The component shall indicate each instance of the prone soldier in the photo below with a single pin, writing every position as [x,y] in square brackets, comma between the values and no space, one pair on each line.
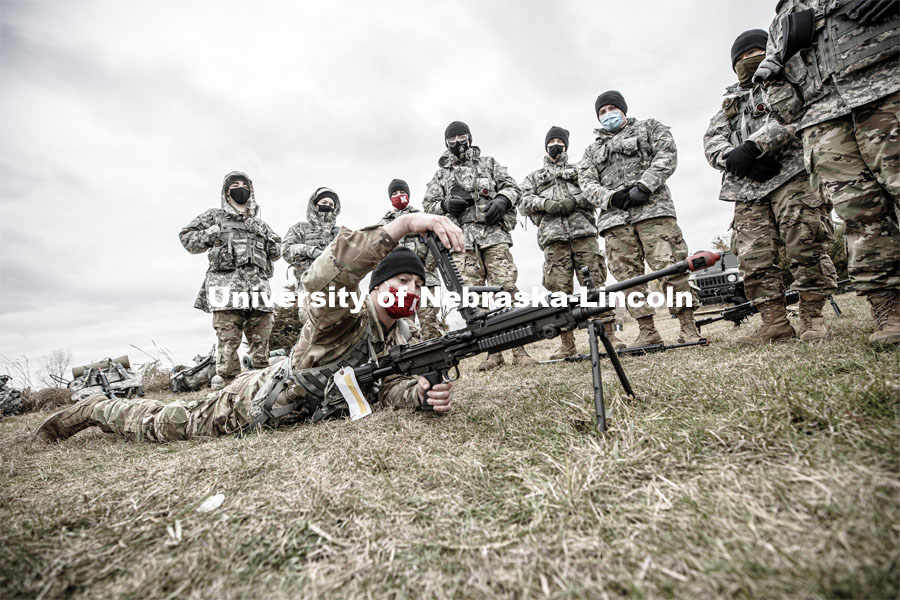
[302,385]
[765,177]
[624,173]
[567,229]
[831,73]
[478,194]
[429,316]
[306,240]
[241,248]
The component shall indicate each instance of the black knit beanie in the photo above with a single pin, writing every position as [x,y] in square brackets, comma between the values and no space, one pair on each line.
[754,38]
[325,193]
[400,260]
[456,128]
[397,185]
[557,132]
[611,97]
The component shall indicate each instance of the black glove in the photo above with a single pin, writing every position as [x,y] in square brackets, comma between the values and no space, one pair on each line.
[458,201]
[496,209]
[869,11]
[638,195]
[798,30]
[620,199]
[739,160]
[764,168]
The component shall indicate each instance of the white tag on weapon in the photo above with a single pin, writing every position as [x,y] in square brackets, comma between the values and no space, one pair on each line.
[345,379]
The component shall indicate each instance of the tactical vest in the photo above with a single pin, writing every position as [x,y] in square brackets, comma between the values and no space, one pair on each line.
[746,114]
[476,178]
[313,235]
[633,155]
[312,391]
[239,245]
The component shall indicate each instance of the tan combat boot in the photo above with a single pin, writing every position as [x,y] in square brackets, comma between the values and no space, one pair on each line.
[688,333]
[812,323]
[523,359]
[69,421]
[885,305]
[647,333]
[493,360]
[566,346]
[610,331]
[775,325]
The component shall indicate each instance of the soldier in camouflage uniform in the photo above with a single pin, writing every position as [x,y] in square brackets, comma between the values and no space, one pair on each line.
[10,399]
[307,239]
[477,193]
[774,205]
[429,316]
[241,248]
[831,73]
[567,230]
[624,173]
[300,386]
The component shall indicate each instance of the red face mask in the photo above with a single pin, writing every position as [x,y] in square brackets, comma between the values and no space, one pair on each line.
[402,309]
[400,201]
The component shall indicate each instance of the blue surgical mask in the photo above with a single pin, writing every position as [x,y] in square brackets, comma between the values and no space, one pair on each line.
[612,120]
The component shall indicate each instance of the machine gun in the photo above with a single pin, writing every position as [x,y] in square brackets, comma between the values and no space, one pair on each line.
[635,351]
[506,328]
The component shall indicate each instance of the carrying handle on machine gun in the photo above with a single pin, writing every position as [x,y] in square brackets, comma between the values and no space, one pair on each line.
[449,273]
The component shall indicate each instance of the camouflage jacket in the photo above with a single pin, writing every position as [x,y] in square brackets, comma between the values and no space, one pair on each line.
[415,243]
[639,152]
[485,178]
[745,116]
[305,237]
[557,180]
[241,249]
[847,66]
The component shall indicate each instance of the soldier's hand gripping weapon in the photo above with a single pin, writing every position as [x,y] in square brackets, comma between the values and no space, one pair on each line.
[503,329]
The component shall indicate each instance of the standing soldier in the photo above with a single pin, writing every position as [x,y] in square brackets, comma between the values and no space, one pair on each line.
[567,229]
[774,205]
[831,72]
[624,173]
[478,194]
[307,239]
[241,249]
[429,316]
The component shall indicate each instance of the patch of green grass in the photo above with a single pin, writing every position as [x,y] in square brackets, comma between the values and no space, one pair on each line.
[750,472]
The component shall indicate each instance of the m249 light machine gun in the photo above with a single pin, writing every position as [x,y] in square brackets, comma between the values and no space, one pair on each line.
[506,328]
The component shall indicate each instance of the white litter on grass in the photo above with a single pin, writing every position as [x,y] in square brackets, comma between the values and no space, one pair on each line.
[211,503]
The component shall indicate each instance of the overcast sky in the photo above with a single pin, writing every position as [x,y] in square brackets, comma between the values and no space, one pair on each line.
[119,120]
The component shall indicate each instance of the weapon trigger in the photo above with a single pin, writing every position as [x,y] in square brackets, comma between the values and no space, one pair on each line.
[446,373]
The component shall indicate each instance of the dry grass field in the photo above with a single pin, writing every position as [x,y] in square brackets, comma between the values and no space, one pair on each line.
[739,472]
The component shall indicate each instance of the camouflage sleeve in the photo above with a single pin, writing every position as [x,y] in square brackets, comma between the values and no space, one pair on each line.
[665,156]
[589,181]
[387,218]
[505,183]
[342,265]
[530,203]
[292,248]
[782,96]
[273,244]
[434,195]
[196,236]
[717,141]
[399,391]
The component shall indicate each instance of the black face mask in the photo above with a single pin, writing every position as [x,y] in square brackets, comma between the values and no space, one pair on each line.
[458,148]
[324,208]
[239,195]
[555,150]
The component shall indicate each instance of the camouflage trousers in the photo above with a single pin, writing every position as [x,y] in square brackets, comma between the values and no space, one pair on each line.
[854,161]
[793,216]
[659,243]
[489,266]
[562,258]
[219,413]
[231,326]
[430,325]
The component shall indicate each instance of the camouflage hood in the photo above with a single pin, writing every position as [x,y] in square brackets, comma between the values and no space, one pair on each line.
[448,159]
[226,205]
[314,216]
